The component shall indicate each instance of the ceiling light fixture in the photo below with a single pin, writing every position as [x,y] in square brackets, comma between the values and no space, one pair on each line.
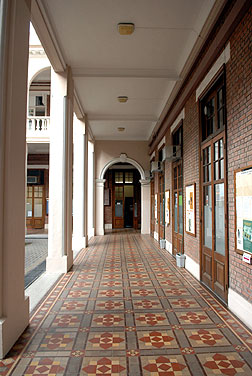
[125,28]
[121,129]
[122,99]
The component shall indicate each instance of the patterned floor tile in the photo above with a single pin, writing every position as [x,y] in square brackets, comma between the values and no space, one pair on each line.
[230,364]
[106,341]
[193,317]
[165,366]
[109,305]
[143,292]
[112,366]
[176,291]
[57,341]
[184,303]
[151,319]
[78,294]
[46,366]
[107,320]
[66,321]
[156,339]
[73,305]
[110,293]
[147,304]
[206,337]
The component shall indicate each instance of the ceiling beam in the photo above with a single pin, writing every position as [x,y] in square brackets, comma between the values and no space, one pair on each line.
[149,118]
[127,73]
[44,30]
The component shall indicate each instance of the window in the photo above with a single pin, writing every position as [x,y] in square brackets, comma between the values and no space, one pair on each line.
[118,177]
[213,110]
[124,177]
[128,177]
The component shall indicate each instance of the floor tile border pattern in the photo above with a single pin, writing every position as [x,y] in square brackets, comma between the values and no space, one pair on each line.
[43,309]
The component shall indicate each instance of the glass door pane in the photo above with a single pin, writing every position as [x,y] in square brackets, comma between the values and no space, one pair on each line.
[38,207]
[29,207]
[175,212]
[219,230]
[207,216]
[180,213]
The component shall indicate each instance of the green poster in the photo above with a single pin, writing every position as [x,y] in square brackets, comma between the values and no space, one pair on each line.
[247,236]
[180,200]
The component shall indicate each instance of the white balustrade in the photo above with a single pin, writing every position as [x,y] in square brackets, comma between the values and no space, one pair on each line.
[38,129]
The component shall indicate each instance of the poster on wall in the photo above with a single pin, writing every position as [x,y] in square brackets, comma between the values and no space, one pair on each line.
[190,209]
[167,207]
[243,206]
[156,206]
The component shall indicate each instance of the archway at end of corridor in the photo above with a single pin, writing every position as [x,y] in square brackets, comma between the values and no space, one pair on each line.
[122,196]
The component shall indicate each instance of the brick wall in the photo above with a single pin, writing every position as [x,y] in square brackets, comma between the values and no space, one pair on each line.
[239,138]
[191,171]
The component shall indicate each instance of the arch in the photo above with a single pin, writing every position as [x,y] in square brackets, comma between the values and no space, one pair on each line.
[123,158]
[38,72]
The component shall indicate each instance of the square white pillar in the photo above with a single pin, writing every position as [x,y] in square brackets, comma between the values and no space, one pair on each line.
[60,254]
[145,206]
[79,186]
[14,307]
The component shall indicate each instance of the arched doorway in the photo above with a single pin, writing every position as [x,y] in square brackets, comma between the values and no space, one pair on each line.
[122,197]
[144,204]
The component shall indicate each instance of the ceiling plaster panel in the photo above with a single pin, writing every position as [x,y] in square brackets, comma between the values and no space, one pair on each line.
[102,60]
[134,130]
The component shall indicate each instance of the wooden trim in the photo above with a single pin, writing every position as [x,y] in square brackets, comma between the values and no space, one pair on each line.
[197,73]
[187,232]
[235,214]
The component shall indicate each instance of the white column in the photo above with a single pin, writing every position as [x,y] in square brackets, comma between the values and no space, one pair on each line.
[79,185]
[145,206]
[60,254]
[99,230]
[90,189]
[14,49]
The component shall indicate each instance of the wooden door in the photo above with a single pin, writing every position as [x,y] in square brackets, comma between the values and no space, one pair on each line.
[118,206]
[214,212]
[161,203]
[35,207]
[177,208]
[152,208]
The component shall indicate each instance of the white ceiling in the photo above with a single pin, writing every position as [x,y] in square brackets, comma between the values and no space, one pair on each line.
[144,66]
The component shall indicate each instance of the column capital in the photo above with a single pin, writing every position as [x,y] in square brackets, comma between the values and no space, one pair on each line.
[144,181]
[100,182]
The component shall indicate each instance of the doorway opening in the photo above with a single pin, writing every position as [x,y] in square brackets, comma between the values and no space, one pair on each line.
[122,197]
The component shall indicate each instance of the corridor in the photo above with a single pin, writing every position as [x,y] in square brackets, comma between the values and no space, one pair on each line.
[126,309]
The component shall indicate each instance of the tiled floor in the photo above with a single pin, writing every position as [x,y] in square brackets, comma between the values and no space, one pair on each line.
[126,309]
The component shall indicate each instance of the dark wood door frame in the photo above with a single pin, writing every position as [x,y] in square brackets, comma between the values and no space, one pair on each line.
[217,260]
[177,190]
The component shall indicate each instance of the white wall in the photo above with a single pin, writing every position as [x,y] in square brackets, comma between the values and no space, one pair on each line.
[105,151]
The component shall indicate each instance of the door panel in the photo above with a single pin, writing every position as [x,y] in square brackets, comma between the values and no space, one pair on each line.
[161,202]
[35,206]
[214,258]
[177,212]
[152,208]
[118,206]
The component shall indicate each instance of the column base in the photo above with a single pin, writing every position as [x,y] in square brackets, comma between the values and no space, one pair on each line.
[11,327]
[91,232]
[59,264]
[99,231]
[78,243]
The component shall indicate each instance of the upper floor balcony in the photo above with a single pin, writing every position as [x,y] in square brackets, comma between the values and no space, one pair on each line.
[38,129]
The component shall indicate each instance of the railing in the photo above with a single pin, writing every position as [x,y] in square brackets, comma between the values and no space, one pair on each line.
[38,129]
